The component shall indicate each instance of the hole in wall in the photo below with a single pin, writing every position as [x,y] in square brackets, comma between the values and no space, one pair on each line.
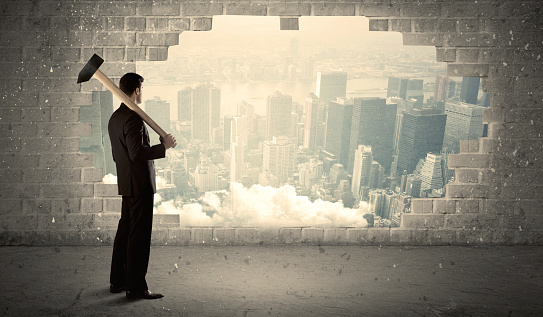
[246,63]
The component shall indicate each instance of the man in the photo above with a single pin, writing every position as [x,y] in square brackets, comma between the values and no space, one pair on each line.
[134,157]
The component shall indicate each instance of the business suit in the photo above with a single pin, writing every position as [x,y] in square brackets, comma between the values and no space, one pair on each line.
[133,157]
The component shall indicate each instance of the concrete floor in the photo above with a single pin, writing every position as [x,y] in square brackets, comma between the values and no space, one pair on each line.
[280,281]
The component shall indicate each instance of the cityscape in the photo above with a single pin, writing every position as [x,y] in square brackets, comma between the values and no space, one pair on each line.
[331,135]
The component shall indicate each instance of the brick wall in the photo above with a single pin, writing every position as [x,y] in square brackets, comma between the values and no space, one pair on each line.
[51,194]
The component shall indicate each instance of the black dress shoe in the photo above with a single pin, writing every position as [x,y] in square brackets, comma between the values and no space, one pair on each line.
[143,295]
[115,288]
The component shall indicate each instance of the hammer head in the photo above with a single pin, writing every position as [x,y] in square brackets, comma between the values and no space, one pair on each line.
[90,68]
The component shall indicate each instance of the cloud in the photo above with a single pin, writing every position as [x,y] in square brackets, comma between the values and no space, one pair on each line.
[264,207]
[110,179]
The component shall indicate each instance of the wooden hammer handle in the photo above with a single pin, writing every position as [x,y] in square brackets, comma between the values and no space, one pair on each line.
[128,102]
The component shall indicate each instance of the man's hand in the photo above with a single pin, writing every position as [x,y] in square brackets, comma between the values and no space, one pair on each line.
[168,141]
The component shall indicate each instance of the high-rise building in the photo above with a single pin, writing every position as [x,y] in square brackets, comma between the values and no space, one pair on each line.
[240,130]
[206,176]
[338,173]
[237,161]
[338,129]
[442,85]
[421,132]
[470,90]
[464,122]
[310,173]
[363,160]
[278,114]
[331,85]
[343,193]
[413,185]
[183,104]
[159,111]
[227,134]
[279,157]
[373,122]
[431,173]
[377,175]
[205,111]
[405,88]
[98,143]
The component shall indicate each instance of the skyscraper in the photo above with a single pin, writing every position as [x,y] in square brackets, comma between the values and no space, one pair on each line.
[331,85]
[442,85]
[470,89]
[278,113]
[363,160]
[237,162]
[373,122]
[159,111]
[279,157]
[421,132]
[183,104]
[464,122]
[98,143]
[338,128]
[432,173]
[205,111]
[206,176]
[310,172]
[405,88]
[227,137]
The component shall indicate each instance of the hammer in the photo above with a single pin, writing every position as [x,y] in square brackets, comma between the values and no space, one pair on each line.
[91,70]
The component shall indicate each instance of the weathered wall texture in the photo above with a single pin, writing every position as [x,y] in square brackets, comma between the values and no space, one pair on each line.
[51,194]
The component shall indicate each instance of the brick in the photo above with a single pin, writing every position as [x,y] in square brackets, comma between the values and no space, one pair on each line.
[420,10]
[14,130]
[466,175]
[378,25]
[10,144]
[64,129]
[52,175]
[114,23]
[201,235]
[10,115]
[136,54]
[50,85]
[401,236]
[290,235]
[224,235]
[201,9]
[416,206]
[468,25]
[468,205]
[179,236]
[422,221]
[468,70]
[11,54]
[425,25]
[291,9]
[470,40]
[467,55]
[159,8]
[255,9]
[444,206]
[91,205]
[112,204]
[200,24]
[44,144]
[65,114]
[333,9]
[115,38]
[65,99]
[247,235]
[289,23]
[165,220]
[12,23]
[64,160]
[19,222]
[19,190]
[65,205]
[93,23]
[487,145]
[117,8]
[19,99]
[157,39]
[92,174]
[466,191]
[445,54]
[36,114]
[65,222]
[156,24]
[464,9]
[19,160]
[179,24]
[158,53]
[378,236]
[335,235]
[106,190]
[135,23]
[447,25]
[114,54]
[11,176]
[67,190]
[427,39]
[357,235]
[11,206]
[312,235]
[379,10]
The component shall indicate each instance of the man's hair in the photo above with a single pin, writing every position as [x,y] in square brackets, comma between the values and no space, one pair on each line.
[129,82]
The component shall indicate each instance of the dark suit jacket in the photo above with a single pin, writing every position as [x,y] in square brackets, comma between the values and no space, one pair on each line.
[132,153]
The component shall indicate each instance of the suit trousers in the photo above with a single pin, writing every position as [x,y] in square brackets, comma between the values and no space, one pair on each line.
[132,245]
